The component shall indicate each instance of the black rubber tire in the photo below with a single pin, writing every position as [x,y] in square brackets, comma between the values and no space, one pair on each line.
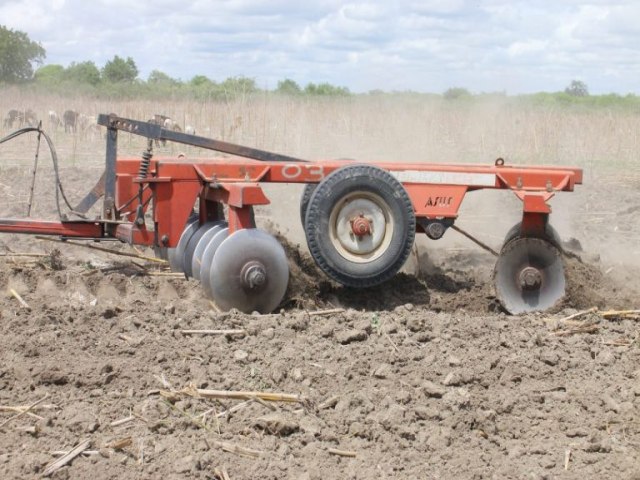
[340,183]
[551,235]
[309,188]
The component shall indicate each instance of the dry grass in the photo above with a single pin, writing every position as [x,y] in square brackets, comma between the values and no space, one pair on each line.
[377,127]
[384,127]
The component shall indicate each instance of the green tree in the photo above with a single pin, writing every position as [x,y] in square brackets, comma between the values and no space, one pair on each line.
[325,89]
[239,85]
[50,74]
[577,88]
[83,72]
[200,81]
[17,56]
[156,77]
[456,92]
[119,70]
[288,87]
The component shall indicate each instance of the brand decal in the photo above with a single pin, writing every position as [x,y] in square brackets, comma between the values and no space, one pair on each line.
[439,202]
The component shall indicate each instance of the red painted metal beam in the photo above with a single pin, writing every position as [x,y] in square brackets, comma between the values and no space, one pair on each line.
[40,227]
[241,170]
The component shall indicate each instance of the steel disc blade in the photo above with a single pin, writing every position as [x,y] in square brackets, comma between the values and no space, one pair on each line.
[207,259]
[196,260]
[176,255]
[234,257]
[189,249]
[542,263]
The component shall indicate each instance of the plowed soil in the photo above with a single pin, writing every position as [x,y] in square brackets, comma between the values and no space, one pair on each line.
[423,377]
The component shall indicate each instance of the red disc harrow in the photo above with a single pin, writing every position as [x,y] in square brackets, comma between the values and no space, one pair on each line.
[360,219]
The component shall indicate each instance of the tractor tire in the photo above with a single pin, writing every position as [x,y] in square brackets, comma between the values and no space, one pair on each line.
[309,188]
[375,200]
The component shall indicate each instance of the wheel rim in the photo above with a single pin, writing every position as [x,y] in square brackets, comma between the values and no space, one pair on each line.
[361,227]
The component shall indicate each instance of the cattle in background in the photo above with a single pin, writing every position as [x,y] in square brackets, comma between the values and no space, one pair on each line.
[190,130]
[158,120]
[86,121]
[165,122]
[171,124]
[54,120]
[17,118]
[70,121]
[11,119]
[30,118]
[88,125]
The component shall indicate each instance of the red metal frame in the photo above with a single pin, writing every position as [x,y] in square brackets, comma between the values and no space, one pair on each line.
[436,190]
[172,187]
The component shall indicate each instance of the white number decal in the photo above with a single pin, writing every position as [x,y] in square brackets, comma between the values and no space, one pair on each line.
[293,171]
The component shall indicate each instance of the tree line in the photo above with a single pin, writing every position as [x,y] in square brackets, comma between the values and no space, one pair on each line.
[22,62]
[121,75]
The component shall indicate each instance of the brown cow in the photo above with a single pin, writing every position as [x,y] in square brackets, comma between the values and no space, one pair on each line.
[12,117]
[70,121]
[171,124]
[165,122]
[19,118]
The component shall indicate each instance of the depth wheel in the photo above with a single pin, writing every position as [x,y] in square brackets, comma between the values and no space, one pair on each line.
[201,241]
[360,225]
[249,272]
[529,275]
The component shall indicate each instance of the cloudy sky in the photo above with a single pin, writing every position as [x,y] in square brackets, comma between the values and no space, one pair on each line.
[424,45]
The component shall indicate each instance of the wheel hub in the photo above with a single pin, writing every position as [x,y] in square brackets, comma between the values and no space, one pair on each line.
[530,278]
[361,226]
[253,275]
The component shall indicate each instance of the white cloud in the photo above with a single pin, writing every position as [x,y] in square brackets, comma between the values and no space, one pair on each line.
[527,47]
[427,45]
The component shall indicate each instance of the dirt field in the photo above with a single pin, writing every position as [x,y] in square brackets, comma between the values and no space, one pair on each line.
[422,377]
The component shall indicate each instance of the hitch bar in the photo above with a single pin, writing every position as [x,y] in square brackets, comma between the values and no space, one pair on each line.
[157,132]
